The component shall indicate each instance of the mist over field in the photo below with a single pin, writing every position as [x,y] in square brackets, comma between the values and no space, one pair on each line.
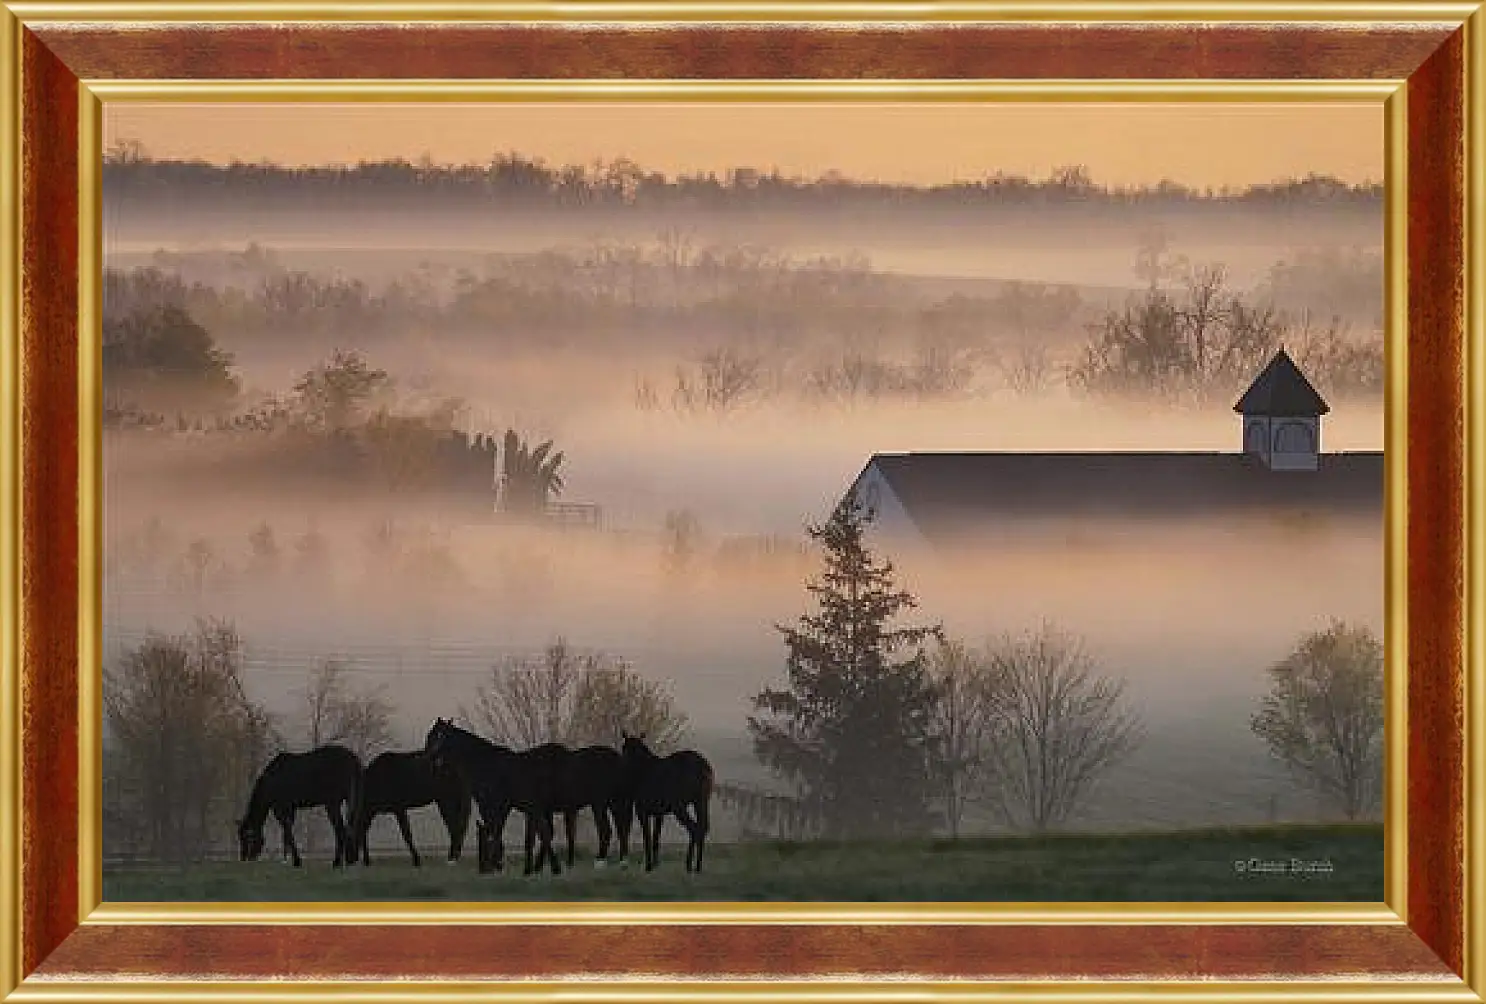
[611,335]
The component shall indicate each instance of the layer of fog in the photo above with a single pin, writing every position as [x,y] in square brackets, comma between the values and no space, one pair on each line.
[1190,615]
[1062,246]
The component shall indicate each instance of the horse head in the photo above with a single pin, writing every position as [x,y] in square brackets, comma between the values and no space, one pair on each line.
[634,748]
[437,739]
[249,841]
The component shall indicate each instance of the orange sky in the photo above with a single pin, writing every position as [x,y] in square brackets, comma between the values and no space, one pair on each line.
[1206,144]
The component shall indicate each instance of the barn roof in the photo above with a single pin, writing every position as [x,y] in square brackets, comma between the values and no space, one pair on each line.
[1282,391]
[951,491]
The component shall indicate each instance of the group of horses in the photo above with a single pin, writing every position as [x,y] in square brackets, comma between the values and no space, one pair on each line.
[457,768]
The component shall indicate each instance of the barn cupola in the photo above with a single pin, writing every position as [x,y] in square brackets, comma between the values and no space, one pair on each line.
[1282,417]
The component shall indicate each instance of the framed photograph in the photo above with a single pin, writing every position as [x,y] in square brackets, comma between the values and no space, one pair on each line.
[778,500]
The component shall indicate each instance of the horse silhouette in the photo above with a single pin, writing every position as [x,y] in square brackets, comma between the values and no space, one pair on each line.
[501,780]
[672,784]
[592,777]
[327,776]
[395,782]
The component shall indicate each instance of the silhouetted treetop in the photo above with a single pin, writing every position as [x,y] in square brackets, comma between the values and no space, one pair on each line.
[513,177]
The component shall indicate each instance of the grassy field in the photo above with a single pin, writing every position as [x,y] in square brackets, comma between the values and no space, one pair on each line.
[1195,865]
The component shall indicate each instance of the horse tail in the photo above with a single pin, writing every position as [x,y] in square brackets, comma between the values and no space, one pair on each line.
[705,798]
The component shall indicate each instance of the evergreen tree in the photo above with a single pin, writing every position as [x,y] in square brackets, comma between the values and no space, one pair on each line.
[854,729]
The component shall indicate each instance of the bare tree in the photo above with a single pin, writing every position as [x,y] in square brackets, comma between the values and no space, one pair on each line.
[312,554]
[264,552]
[575,698]
[1192,344]
[200,569]
[183,739]
[1154,261]
[1026,370]
[527,700]
[723,379]
[1323,715]
[646,397]
[941,369]
[613,700]
[676,254]
[1059,725]
[963,722]
[680,537]
[335,712]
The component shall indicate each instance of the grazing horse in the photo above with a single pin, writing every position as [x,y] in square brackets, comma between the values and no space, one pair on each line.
[326,776]
[501,780]
[670,784]
[397,782]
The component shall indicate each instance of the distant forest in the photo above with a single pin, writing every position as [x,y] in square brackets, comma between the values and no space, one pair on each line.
[520,180]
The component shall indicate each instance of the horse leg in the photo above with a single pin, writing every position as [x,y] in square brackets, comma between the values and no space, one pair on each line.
[498,836]
[645,838]
[531,836]
[624,820]
[691,827]
[570,827]
[407,836]
[644,822]
[361,827]
[606,833]
[286,821]
[704,825]
[484,859]
[456,815]
[342,840]
[548,840]
[657,823]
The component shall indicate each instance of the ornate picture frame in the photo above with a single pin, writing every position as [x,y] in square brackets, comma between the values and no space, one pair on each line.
[1422,64]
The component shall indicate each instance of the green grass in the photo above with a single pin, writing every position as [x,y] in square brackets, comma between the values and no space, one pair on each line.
[1185,866]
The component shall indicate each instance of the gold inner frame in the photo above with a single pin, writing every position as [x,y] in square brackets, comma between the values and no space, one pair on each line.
[854,12]
[10,507]
[1390,95]
[1475,489]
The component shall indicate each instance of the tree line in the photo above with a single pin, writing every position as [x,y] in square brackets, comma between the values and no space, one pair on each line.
[671,287]
[659,294]
[1187,337]
[512,177]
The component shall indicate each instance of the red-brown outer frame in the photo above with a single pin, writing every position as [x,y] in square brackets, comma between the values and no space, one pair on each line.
[1431,56]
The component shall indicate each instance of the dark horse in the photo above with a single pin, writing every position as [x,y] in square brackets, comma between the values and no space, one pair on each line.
[326,776]
[592,777]
[671,784]
[501,780]
[397,782]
